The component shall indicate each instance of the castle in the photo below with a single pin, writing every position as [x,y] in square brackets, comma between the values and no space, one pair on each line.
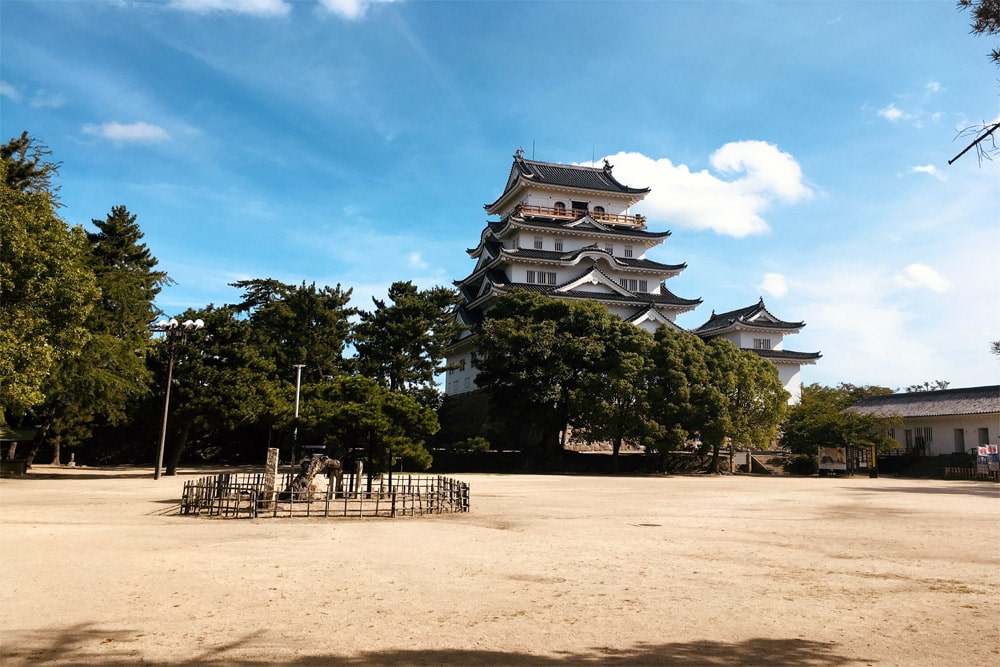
[567,231]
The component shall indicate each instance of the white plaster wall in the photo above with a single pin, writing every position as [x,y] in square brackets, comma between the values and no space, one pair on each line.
[611,206]
[746,339]
[459,380]
[791,379]
[943,431]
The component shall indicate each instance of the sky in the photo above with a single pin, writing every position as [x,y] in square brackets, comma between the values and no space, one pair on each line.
[797,151]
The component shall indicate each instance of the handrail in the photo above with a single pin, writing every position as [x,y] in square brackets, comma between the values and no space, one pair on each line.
[573,214]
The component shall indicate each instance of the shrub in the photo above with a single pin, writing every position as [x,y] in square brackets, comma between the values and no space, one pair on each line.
[803,464]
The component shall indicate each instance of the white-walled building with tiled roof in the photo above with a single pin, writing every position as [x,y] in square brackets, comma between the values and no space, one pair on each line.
[755,328]
[568,231]
[945,421]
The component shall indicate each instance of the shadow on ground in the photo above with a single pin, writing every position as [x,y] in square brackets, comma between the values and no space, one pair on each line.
[88,644]
[978,489]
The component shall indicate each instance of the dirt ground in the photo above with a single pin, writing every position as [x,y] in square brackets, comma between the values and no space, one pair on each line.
[98,568]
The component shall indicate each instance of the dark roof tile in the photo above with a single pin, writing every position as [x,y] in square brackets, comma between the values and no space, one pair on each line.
[966,401]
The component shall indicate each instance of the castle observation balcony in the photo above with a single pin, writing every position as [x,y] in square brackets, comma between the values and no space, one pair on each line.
[636,221]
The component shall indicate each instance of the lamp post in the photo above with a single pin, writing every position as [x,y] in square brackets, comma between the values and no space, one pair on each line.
[172,331]
[298,387]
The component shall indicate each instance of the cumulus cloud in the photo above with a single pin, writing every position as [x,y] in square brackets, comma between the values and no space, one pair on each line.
[263,8]
[751,176]
[922,276]
[774,284]
[128,132]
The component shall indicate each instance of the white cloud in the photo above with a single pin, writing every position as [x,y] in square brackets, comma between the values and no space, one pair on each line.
[346,9]
[928,169]
[774,284]
[262,8]
[349,9]
[416,261]
[892,114]
[921,275]
[10,92]
[40,99]
[871,330]
[43,99]
[128,132]
[702,200]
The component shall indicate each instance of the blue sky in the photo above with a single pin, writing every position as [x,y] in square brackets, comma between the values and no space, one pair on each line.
[797,151]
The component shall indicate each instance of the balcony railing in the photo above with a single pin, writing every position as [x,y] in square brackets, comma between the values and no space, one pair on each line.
[574,214]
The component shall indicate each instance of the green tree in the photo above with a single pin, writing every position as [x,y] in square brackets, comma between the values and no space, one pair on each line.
[536,354]
[756,401]
[221,382]
[613,402]
[985,21]
[936,385]
[823,418]
[28,166]
[48,291]
[358,417]
[402,345]
[109,372]
[685,399]
[299,325]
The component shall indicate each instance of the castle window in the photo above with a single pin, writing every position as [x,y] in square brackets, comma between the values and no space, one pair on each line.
[538,243]
[643,286]
[599,210]
[559,206]
[762,343]
[610,248]
[628,251]
[580,207]
[541,278]
[559,246]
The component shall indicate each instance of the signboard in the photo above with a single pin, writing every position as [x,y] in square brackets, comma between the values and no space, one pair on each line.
[989,458]
[832,458]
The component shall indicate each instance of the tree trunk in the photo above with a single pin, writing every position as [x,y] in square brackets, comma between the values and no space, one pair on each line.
[37,441]
[174,456]
[713,466]
[56,452]
[11,450]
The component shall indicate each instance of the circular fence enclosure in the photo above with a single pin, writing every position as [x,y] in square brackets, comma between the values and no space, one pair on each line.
[253,495]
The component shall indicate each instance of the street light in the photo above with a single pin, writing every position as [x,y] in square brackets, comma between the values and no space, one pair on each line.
[172,331]
[298,386]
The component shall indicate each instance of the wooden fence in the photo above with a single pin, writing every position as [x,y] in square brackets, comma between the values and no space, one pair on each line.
[970,473]
[234,495]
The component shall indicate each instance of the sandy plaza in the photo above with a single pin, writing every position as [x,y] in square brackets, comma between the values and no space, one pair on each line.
[99,568]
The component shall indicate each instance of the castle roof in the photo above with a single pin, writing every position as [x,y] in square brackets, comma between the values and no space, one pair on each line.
[525,172]
[788,356]
[756,316]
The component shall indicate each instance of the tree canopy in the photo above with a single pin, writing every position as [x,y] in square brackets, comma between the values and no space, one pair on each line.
[823,418]
[402,344]
[549,363]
